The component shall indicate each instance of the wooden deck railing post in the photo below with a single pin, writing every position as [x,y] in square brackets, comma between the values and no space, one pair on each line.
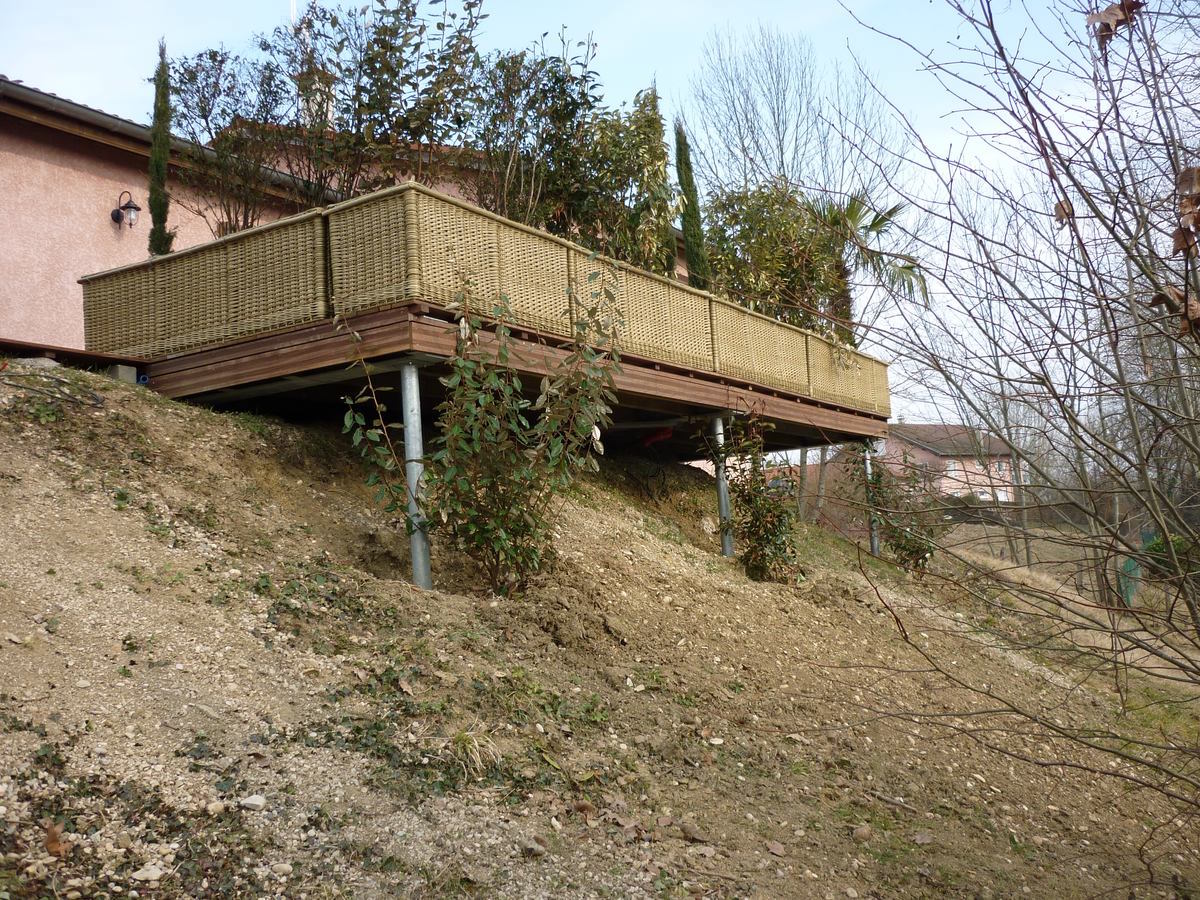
[412,246]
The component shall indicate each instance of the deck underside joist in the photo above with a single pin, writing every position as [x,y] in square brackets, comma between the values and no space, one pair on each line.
[312,364]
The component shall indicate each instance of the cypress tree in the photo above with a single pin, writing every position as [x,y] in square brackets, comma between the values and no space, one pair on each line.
[699,272]
[160,151]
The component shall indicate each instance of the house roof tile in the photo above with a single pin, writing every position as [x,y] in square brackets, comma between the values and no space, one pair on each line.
[950,440]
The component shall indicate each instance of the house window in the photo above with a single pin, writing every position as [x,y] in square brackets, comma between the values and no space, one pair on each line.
[953,467]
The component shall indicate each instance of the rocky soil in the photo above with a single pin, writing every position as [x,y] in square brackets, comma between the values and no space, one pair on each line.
[215,681]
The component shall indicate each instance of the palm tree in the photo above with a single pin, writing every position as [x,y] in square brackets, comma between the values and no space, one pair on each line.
[850,234]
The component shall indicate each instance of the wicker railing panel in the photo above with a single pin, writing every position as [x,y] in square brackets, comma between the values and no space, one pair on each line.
[645,309]
[846,377]
[192,299]
[790,364]
[118,315]
[277,278]
[759,349]
[458,251]
[732,342]
[533,274]
[880,394]
[822,369]
[592,275]
[258,280]
[368,252]
[691,336]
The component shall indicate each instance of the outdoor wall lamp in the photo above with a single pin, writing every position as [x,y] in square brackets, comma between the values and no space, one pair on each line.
[126,212]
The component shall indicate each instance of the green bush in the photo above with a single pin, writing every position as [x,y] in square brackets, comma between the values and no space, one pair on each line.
[499,458]
[1158,560]
[908,515]
[764,519]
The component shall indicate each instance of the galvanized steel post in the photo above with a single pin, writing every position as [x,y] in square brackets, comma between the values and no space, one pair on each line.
[872,518]
[414,468]
[718,431]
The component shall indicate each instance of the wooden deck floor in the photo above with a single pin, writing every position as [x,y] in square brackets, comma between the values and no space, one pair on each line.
[312,365]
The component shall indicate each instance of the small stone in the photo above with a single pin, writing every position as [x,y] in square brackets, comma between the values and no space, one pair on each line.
[215,808]
[533,848]
[148,873]
[83,683]
[851,893]
[693,834]
[12,638]
[776,849]
[124,841]
[863,833]
[254,803]
[282,868]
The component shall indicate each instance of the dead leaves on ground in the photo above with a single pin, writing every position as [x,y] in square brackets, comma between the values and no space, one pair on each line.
[55,845]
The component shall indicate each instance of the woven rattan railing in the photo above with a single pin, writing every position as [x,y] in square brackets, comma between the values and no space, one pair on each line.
[410,243]
[258,280]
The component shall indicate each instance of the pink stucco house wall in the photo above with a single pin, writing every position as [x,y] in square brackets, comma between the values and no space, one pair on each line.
[951,460]
[62,168]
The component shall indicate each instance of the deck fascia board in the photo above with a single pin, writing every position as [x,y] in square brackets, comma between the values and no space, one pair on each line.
[418,330]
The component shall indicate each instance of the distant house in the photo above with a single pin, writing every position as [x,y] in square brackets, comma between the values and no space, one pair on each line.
[951,460]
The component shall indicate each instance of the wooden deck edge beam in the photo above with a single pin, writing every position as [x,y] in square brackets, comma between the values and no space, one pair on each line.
[297,356]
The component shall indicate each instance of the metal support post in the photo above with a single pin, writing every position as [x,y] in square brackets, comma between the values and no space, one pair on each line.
[872,519]
[718,431]
[414,468]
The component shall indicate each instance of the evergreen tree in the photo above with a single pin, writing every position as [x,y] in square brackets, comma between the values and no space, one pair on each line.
[160,151]
[699,272]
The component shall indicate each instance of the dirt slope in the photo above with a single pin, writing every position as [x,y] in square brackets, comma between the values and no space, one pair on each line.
[214,681]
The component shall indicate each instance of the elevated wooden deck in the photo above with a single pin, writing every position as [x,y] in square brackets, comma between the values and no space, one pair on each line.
[253,315]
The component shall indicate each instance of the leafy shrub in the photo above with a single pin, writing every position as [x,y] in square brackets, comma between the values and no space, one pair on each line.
[1158,560]
[500,459]
[908,515]
[764,519]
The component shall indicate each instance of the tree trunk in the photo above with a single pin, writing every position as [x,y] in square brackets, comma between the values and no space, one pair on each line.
[802,487]
[820,502]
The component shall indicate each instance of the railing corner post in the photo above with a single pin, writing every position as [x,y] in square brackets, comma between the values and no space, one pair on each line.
[412,246]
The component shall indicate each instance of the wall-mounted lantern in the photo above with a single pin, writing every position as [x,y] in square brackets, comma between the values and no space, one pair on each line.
[126,212]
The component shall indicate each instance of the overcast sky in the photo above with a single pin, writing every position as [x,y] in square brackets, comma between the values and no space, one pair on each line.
[101,54]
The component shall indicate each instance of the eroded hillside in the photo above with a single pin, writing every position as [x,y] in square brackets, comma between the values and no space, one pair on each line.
[214,681]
